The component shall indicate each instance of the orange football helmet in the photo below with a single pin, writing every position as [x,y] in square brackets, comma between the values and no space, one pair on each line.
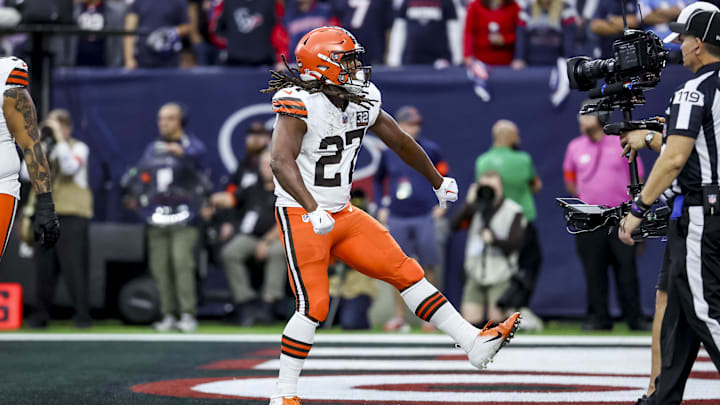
[332,54]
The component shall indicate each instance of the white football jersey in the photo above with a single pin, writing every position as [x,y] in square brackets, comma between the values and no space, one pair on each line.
[330,146]
[13,73]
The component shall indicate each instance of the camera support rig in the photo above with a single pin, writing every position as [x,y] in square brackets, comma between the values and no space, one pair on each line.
[639,58]
[623,97]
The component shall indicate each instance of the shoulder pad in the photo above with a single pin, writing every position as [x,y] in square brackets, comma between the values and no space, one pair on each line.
[291,102]
[15,71]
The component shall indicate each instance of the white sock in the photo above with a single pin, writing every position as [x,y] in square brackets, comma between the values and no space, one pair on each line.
[430,305]
[297,341]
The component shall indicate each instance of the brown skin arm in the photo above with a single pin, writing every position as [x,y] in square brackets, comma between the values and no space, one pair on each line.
[21,119]
[286,144]
[405,146]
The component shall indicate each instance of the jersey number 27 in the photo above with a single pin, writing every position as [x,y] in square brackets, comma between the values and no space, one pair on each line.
[340,144]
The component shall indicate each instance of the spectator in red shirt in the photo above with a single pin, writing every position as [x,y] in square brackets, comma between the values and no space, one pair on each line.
[490,31]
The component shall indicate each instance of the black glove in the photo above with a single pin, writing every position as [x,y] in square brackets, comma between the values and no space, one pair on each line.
[46,224]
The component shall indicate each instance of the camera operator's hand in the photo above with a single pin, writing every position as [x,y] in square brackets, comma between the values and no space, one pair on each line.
[55,128]
[627,226]
[633,141]
[46,225]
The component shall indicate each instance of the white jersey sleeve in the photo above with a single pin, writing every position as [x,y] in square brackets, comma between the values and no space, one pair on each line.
[13,74]
[330,145]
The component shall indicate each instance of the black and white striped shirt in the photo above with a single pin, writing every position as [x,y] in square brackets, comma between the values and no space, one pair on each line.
[694,111]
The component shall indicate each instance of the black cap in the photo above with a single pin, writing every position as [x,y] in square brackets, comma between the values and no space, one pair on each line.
[703,24]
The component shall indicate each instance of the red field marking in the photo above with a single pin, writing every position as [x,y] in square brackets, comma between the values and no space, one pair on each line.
[245,363]
[270,352]
[183,388]
[180,388]
[709,375]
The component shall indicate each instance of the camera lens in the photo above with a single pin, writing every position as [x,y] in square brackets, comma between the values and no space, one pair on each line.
[583,72]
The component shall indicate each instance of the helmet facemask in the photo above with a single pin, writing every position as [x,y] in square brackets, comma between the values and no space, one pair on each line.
[353,76]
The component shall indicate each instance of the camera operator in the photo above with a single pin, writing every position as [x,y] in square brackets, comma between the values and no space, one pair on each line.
[494,241]
[688,161]
[171,176]
[595,172]
[68,158]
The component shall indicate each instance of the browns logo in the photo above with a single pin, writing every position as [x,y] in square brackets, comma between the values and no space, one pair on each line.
[435,373]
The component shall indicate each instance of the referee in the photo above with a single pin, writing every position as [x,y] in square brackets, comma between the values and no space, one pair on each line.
[690,156]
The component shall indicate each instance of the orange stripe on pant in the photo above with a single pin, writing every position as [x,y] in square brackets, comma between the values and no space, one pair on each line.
[8,205]
[357,239]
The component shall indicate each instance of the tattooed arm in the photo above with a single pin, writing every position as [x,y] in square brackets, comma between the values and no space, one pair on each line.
[19,112]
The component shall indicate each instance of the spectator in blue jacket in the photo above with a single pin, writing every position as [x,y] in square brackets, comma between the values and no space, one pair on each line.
[545,32]
[410,210]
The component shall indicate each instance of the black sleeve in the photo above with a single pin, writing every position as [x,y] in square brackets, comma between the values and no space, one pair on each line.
[515,239]
[463,216]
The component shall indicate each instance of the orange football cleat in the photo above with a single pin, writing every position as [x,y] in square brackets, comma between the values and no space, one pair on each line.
[490,340]
[285,401]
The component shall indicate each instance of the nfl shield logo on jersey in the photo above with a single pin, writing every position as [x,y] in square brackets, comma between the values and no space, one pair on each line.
[345,118]
[305,218]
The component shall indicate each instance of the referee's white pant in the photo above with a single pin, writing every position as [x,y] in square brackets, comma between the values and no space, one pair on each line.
[693,309]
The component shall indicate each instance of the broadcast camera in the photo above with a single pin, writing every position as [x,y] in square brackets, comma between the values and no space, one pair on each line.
[639,58]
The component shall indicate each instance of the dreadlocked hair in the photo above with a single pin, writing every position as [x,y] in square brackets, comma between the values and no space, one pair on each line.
[281,80]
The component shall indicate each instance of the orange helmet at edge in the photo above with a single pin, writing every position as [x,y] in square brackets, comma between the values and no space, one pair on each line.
[319,55]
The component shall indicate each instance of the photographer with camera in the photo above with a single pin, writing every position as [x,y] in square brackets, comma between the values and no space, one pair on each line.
[688,162]
[495,237]
[68,159]
[595,172]
[520,182]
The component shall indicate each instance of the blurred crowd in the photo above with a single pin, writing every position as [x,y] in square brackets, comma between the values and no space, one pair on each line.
[189,33]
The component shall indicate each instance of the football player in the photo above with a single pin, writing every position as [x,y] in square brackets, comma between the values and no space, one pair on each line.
[18,123]
[324,109]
